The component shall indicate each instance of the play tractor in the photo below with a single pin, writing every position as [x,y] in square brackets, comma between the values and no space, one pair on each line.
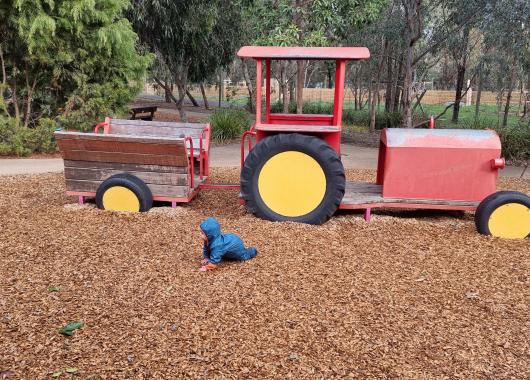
[293,170]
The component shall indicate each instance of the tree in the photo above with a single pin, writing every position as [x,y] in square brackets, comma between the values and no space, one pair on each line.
[72,60]
[191,39]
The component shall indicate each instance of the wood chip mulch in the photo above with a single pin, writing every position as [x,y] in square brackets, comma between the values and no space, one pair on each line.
[413,294]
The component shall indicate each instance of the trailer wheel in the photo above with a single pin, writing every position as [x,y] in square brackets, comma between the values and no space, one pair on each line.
[293,177]
[504,214]
[124,192]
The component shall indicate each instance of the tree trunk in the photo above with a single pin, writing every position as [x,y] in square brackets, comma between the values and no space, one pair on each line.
[527,96]
[389,80]
[30,90]
[221,87]
[193,101]
[2,63]
[413,30]
[396,91]
[375,98]
[250,86]
[509,95]
[15,94]
[407,89]
[300,80]
[283,80]
[479,93]
[168,89]
[204,98]
[461,72]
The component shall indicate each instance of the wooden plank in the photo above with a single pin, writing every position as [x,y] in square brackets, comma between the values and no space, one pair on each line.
[157,190]
[97,145]
[124,167]
[367,193]
[148,130]
[126,158]
[177,141]
[148,177]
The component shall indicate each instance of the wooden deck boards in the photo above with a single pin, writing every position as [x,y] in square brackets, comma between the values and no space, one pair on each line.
[360,193]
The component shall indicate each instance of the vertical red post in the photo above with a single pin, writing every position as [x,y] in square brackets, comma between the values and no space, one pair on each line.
[268,90]
[339,93]
[258,91]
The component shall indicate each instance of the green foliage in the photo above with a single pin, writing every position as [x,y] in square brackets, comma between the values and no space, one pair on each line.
[515,141]
[228,124]
[70,327]
[74,61]
[15,139]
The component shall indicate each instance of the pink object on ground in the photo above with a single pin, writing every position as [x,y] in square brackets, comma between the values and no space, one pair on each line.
[203,269]
[81,200]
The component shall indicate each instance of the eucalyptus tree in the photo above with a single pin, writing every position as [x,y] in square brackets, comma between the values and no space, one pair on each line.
[190,38]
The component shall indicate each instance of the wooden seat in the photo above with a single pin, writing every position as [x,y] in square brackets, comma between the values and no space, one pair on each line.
[162,129]
[162,162]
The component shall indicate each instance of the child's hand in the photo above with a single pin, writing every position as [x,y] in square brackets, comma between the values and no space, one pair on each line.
[207,267]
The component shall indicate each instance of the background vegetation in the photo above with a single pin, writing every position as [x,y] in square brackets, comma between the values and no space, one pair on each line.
[68,63]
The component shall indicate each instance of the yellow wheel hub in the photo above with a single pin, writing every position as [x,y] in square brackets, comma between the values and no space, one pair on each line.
[292,183]
[120,198]
[510,221]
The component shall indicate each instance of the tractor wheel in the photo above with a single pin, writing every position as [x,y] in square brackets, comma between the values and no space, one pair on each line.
[504,214]
[293,177]
[124,192]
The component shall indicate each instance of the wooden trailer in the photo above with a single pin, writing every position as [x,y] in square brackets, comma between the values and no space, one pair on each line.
[126,164]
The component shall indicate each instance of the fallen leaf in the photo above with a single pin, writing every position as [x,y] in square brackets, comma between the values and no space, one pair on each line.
[53,289]
[71,370]
[71,327]
[57,373]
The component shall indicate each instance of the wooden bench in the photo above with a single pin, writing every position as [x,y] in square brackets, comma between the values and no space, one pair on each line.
[143,110]
[160,154]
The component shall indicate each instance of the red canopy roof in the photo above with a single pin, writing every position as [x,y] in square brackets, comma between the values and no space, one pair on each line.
[287,52]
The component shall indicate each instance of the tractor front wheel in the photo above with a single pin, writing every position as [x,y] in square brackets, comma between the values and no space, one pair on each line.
[293,177]
[504,214]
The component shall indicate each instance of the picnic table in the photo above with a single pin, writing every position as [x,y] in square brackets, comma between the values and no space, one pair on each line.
[141,112]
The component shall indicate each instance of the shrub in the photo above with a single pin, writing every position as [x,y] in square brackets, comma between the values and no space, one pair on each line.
[228,124]
[515,141]
[18,140]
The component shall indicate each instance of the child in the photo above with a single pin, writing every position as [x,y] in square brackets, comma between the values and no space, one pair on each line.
[218,246]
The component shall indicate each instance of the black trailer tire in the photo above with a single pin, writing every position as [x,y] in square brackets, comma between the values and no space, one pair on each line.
[318,191]
[504,214]
[124,192]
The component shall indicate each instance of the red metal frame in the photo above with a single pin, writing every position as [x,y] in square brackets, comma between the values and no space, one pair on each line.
[326,127]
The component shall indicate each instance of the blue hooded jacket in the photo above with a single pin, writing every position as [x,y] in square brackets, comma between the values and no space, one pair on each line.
[228,246]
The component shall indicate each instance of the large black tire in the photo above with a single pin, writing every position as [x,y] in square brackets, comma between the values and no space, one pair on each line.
[136,185]
[513,227]
[317,149]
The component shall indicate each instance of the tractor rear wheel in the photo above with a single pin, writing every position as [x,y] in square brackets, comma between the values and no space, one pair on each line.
[504,214]
[293,177]
[124,192]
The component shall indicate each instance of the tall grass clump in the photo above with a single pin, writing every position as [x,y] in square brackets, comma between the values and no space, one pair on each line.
[228,124]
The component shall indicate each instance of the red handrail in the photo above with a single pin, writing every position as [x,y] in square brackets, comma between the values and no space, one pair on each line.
[243,137]
[192,166]
[105,124]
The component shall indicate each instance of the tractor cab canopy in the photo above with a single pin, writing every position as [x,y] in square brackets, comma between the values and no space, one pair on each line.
[317,124]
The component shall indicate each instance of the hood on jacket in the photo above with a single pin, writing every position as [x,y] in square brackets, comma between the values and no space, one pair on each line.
[211,228]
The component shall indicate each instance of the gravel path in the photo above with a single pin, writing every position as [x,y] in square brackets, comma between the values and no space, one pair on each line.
[353,157]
